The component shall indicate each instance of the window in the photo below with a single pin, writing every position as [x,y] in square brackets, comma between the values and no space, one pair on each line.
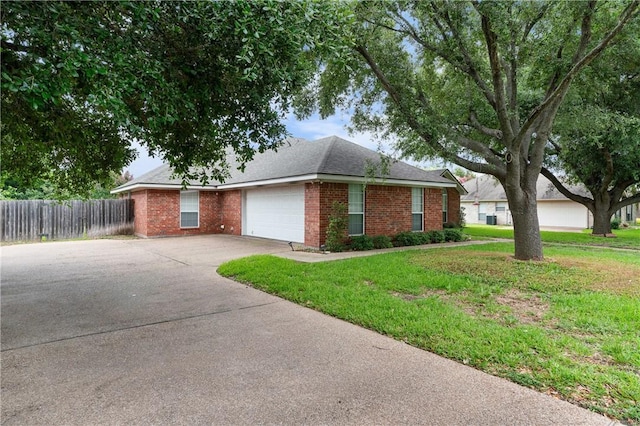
[482,212]
[356,209]
[417,209]
[501,206]
[445,206]
[189,209]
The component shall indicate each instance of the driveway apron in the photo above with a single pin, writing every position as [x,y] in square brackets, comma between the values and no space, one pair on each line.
[146,332]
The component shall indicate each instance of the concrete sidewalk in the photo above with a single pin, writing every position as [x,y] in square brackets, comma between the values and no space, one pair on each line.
[145,332]
[314,257]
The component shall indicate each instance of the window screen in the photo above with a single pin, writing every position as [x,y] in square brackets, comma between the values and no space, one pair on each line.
[356,209]
[417,209]
[445,206]
[189,209]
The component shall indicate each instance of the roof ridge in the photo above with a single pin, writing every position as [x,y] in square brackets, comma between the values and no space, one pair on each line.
[327,150]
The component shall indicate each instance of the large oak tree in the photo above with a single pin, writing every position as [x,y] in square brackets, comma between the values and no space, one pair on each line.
[188,80]
[478,83]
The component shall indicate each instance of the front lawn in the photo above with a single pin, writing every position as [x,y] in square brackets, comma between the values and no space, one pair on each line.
[625,238]
[568,326]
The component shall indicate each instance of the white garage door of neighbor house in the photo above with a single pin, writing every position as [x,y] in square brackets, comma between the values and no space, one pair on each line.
[562,213]
[276,213]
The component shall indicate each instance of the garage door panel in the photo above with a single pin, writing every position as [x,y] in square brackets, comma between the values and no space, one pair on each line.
[562,214]
[276,213]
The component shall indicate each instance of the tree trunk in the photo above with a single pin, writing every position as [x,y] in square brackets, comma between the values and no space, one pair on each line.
[601,214]
[526,229]
[601,219]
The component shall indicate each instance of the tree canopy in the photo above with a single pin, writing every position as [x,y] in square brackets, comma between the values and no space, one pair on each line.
[476,83]
[188,80]
[597,133]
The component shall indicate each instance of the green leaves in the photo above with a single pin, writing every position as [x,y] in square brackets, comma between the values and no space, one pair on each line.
[186,79]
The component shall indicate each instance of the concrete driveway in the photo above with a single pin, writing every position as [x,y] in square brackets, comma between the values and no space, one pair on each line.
[146,332]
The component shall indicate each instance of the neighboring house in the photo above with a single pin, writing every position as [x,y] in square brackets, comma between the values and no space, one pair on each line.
[486,198]
[629,214]
[287,195]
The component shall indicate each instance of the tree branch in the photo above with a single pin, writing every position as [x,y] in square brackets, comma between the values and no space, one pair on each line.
[467,65]
[608,177]
[495,167]
[491,39]
[585,32]
[475,123]
[564,190]
[481,149]
[534,21]
[382,78]
[627,201]
[562,88]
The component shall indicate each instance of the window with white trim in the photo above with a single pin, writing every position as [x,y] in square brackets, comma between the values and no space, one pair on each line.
[445,206]
[501,206]
[417,209]
[189,209]
[356,209]
[482,212]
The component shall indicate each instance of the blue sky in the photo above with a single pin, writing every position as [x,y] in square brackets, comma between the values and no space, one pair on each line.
[310,129]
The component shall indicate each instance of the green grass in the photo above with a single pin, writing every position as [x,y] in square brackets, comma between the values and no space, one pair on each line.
[625,238]
[568,326]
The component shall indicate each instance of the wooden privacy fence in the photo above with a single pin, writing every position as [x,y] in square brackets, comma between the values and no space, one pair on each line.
[24,220]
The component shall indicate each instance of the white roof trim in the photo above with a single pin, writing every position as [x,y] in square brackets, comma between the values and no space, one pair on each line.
[143,185]
[292,179]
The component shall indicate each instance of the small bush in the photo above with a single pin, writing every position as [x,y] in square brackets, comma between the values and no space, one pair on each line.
[381,242]
[407,239]
[462,218]
[424,238]
[361,243]
[450,225]
[454,235]
[615,223]
[436,236]
[337,229]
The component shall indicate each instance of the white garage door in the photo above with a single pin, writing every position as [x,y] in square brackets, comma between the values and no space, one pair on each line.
[562,213]
[276,213]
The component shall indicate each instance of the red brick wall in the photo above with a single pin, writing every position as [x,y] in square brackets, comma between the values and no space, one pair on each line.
[139,213]
[432,209]
[157,213]
[453,205]
[209,213]
[318,200]
[312,215]
[387,210]
[231,212]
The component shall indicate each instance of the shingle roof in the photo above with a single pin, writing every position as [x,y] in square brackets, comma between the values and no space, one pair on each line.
[487,188]
[331,156]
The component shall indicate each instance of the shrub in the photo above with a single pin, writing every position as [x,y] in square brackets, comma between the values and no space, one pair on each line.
[450,225]
[381,242]
[407,239]
[436,236]
[424,238]
[337,229]
[462,218]
[361,243]
[454,235]
[615,223]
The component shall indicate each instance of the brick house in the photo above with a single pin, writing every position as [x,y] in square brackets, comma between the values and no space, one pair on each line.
[288,194]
